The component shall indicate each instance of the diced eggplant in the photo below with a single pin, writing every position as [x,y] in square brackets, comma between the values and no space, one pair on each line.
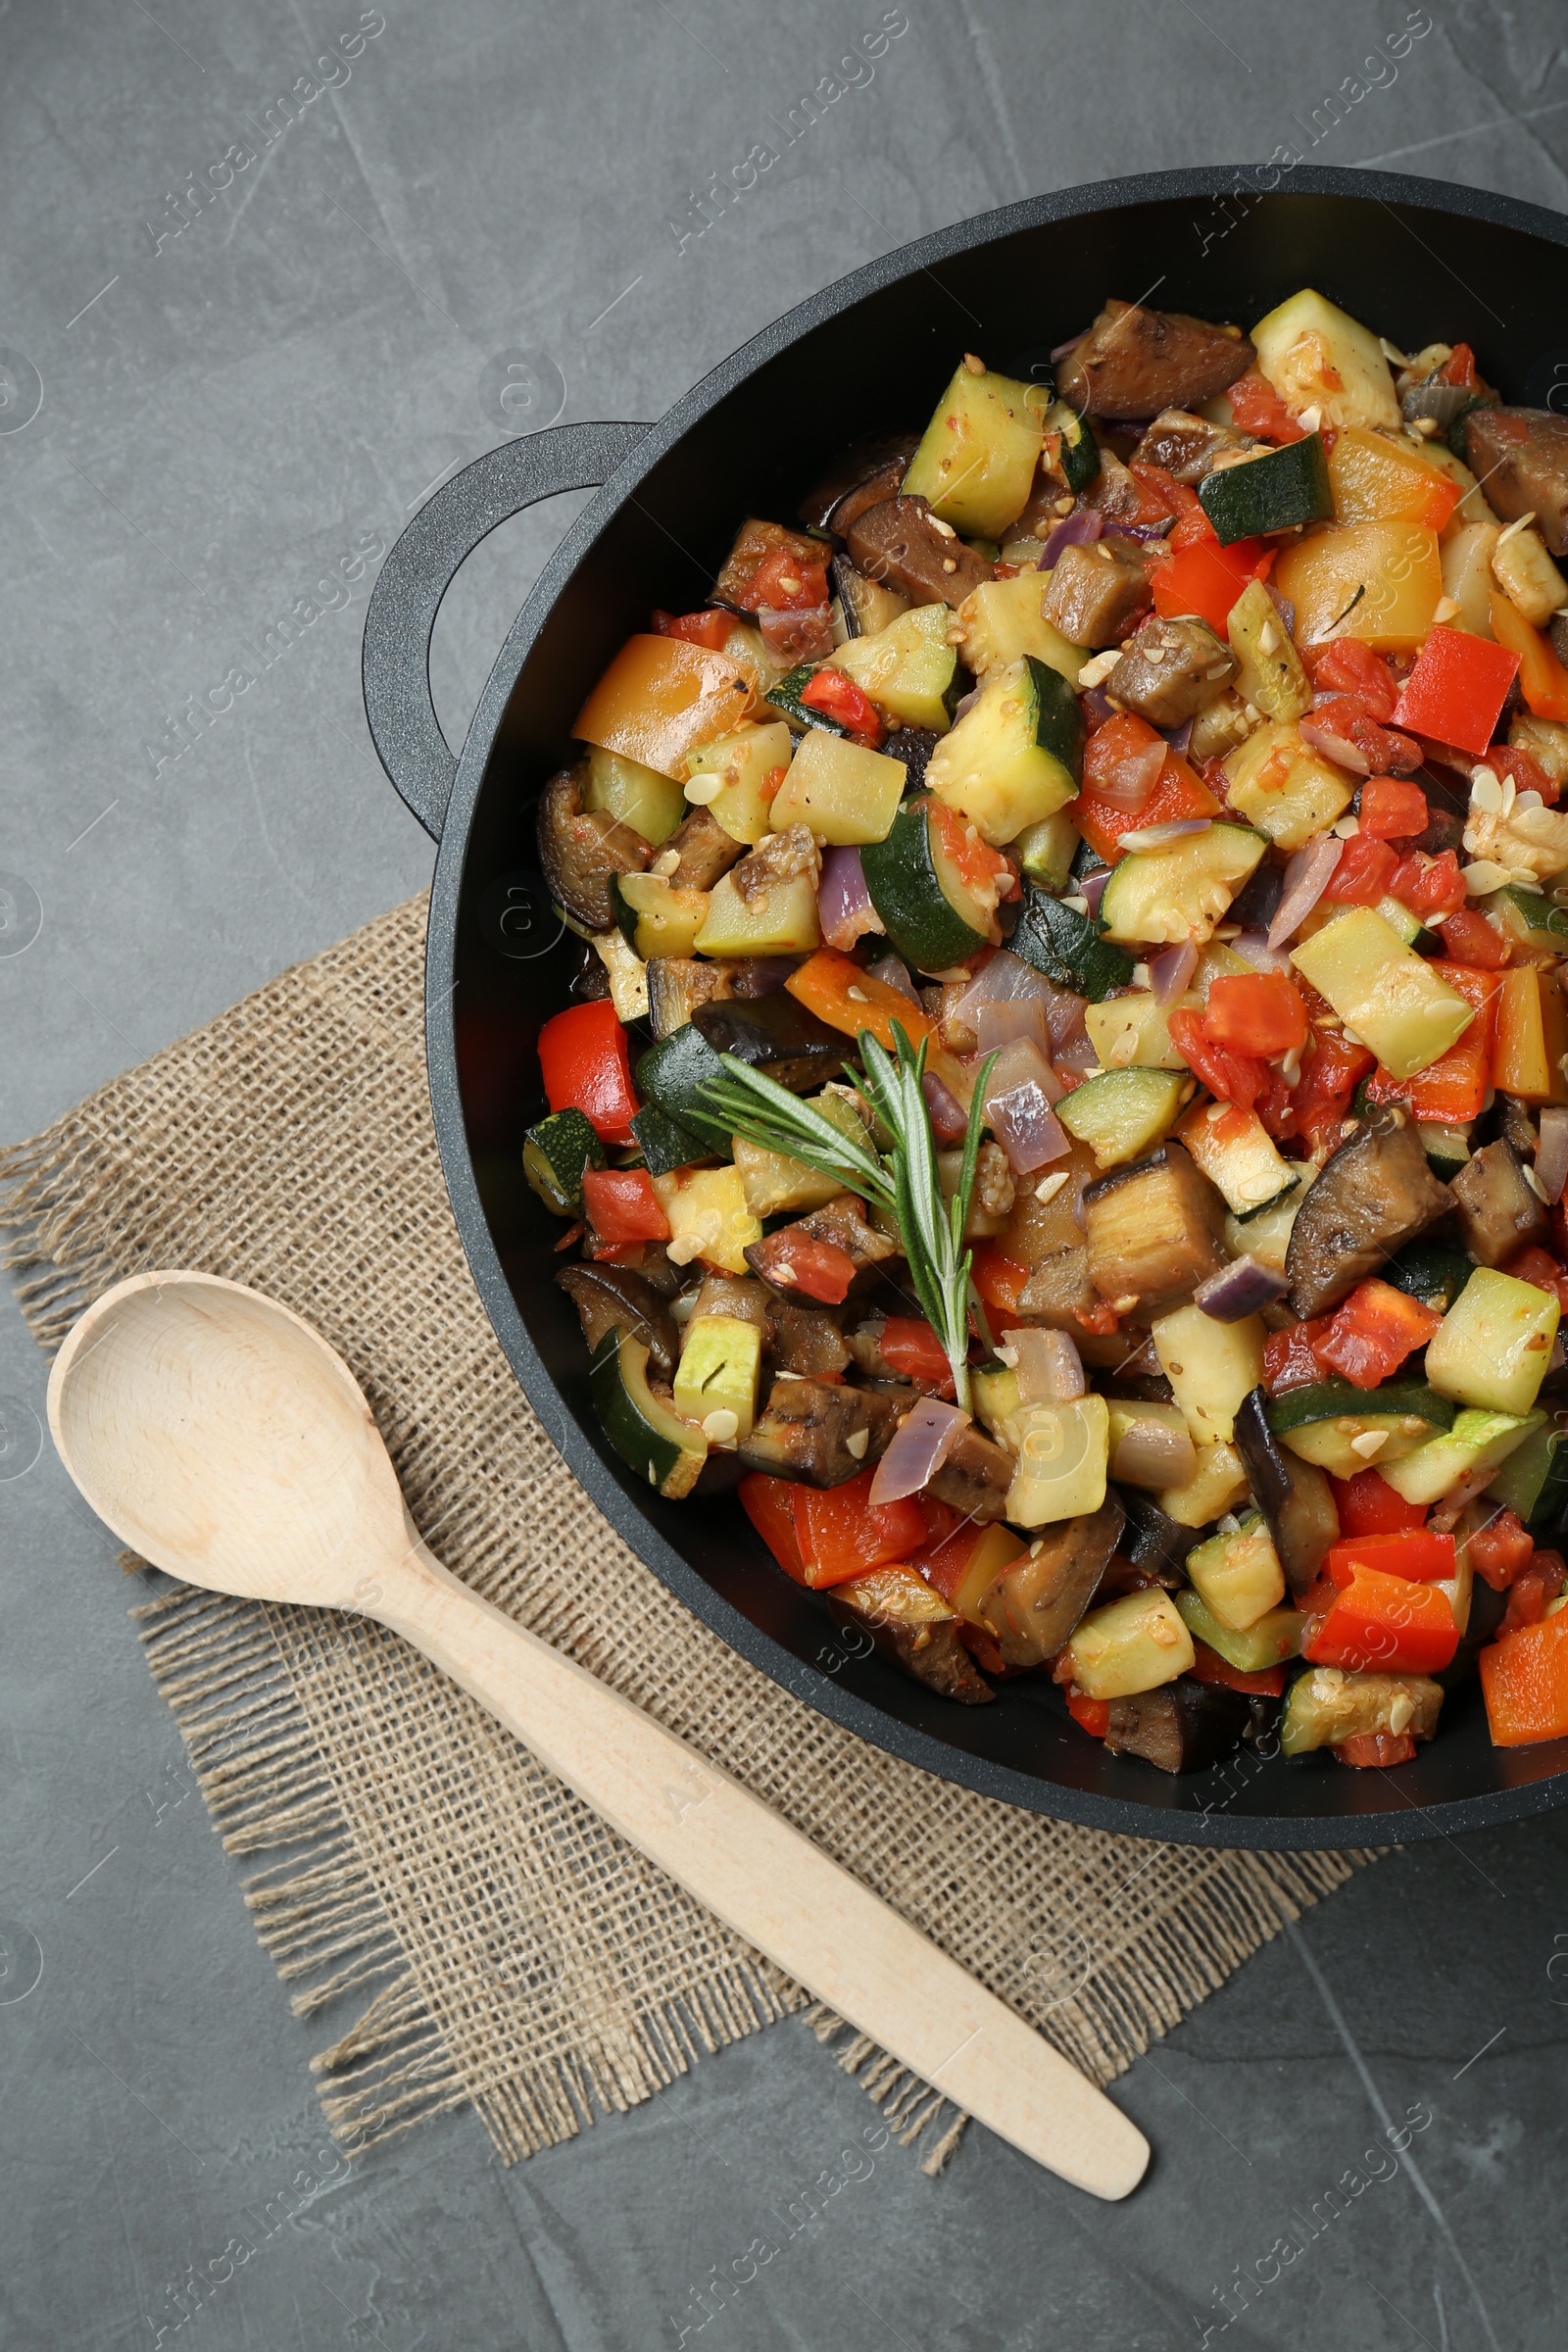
[912,1624]
[581,850]
[898,542]
[1183,1727]
[1036,1601]
[863,462]
[885,484]
[1523,476]
[914,747]
[843,1222]
[705,851]
[1155,1230]
[805,1339]
[1156,1545]
[1498,1212]
[678,984]
[736,1295]
[866,605]
[805,1432]
[1172,670]
[607,1295]
[1136,362]
[1294,1497]
[1059,1291]
[1516,1126]
[1185,446]
[976,1477]
[1375,1193]
[775,1035]
[1096,593]
[1257,902]
[1112,493]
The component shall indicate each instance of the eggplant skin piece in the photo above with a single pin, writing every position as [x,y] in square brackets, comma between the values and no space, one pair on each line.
[1034,1604]
[1498,1213]
[911,1625]
[805,1339]
[705,851]
[1182,1727]
[1294,1497]
[805,1431]
[580,851]
[1135,362]
[975,1478]
[1527,476]
[1155,1230]
[775,1035]
[861,462]
[604,1296]
[1154,1542]
[1375,1193]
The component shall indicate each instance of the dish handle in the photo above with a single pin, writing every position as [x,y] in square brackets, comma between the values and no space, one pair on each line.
[422,566]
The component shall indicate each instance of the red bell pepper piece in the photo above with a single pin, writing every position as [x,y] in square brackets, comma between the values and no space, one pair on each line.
[1416,1552]
[1380,1748]
[1393,809]
[1258,410]
[782,583]
[1471,940]
[586,1065]
[1386,1625]
[1370,1336]
[998,1279]
[1237,1078]
[1289,1361]
[910,1346]
[1209,1667]
[622,1205]
[1500,1550]
[818,1269]
[1255,1012]
[840,1533]
[1091,1715]
[1542,1271]
[1456,691]
[1362,877]
[710,629]
[1531,1590]
[1205,578]
[1346,666]
[838,697]
[1429,886]
[1454,1087]
[1524,1679]
[770,1505]
[1368,1506]
[1178,794]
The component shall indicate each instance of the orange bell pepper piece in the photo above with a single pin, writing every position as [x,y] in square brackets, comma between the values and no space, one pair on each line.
[1524,1680]
[1542,679]
[837,992]
[661,696]
[1384,1624]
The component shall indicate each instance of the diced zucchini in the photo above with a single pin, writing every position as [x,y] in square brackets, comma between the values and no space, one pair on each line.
[869,606]
[1129,1416]
[1476,1444]
[927,910]
[1015,755]
[995,1395]
[995,1554]
[1001,620]
[708,1216]
[1448,1150]
[664,1144]
[748,763]
[649,1436]
[1323,1421]
[842,790]
[1282,787]
[1122,1113]
[1271,677]
[1527,918]
[1326,1706]
[1160,896]
[774,1182]
[628,974]
[673,1073]
[785,697]
[1067,948]
[1533,1483]
[1266,1232]
[640,797]
[1494,1343]
[555,1153]
[1080,450]
[1046,851]
[782,922]
[908,669]
[1431,1271]
[1061,1451]
[1392,1001]
[1219,1486]
[720,1367]
[1528,576]
[977,460]
[1210,1366]
[1235,1151]
[1132,1032]
[1267,1642]
[1275,492]
[657,919]
[1135,1643]
[1318,357]
[1238,1576]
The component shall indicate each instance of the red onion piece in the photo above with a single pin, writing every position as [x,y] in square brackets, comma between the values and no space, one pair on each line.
[1077,1053]
[1551,1152]
[1096,707]
[796,637]
[1153,1453]
[1254,948]
[1284,606]
[1027,1128]
[1020,1017]
[842,903]
[1050,1369]
[1074,531]
[894,973]
[1179,738]
[921,1443]
[765,975]
[1093,889]
[1003,978]
[1130,784]
[1170,971]
[1239,1290]
[1065,1015]
[1306,877]
[1022,1063]
[950,1121]
[1160,837]
[1326,738]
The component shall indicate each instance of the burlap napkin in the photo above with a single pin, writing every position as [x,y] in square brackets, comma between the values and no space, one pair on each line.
[500,1945]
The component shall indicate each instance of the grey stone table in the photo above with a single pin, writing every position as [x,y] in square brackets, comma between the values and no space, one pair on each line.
[266,304]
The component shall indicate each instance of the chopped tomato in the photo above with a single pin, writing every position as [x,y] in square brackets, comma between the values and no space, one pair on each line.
[1237,1078]
[697,628]
[1454,1088]
[1459,368]
[973,860]
[1368,1506]
[770,1505]
[1258,410]
[1100,817]
[1380,1748]
[1541,1271]
[910,1346]
[1289,1361]
[1101,1319]
[1370,1336]
[1255,1012]
[838,697]
[1393,809]
[782,583]
[622,1205]
[1345,666]
[1161,495]
[1500,1550]
[998,1279]
[1467,935]
[585,1062]
[1362,877]
[1524,1679]
[1209,1667]
[818,1269]
[1383,749]
[1317,1106]
[1091,1715]
[1531,1590]
[1428,886]
[1201,576]
[1456,691]
[842,1533]
[1525,773]
[1416,1552]
[1384,1624]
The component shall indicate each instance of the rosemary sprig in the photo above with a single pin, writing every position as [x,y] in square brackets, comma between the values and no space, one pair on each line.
[903,1181]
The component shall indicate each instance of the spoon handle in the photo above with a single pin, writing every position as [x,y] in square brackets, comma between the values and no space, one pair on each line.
[769,1883]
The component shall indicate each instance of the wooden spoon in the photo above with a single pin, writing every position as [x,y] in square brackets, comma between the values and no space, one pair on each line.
[225,1441]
